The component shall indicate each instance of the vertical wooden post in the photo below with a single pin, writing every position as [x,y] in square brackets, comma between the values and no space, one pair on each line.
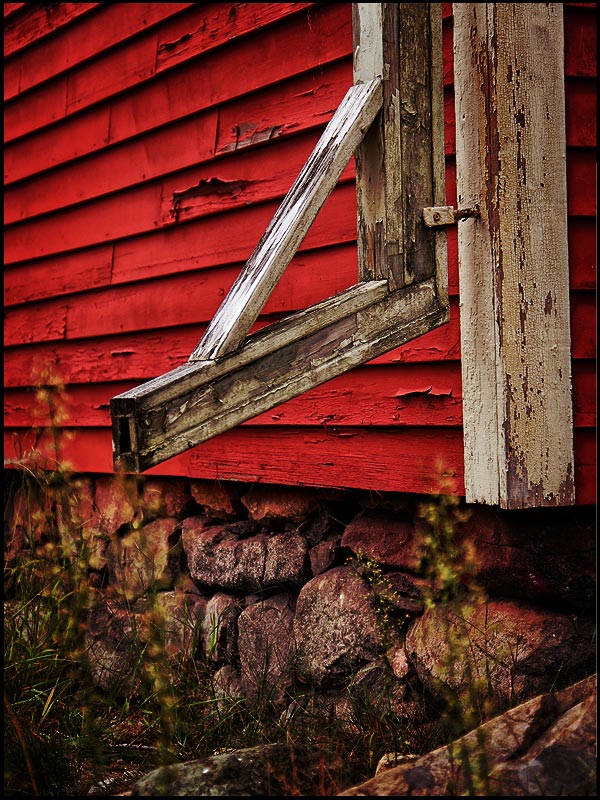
[513,260]
[400,163]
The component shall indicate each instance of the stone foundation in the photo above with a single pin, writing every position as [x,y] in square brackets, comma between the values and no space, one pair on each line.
[317,594]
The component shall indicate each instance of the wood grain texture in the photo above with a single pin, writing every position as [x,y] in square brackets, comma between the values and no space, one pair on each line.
[199,400]
[174,249]
[121,68]
[290,224]
[408,460]
[400,163]
[513,261]
[380,395]
[210,188]
[32,22]
[112,24]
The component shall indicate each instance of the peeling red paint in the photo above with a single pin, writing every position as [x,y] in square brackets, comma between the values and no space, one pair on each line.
[433,391]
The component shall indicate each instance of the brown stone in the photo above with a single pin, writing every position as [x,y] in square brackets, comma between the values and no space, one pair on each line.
[335,629]
[385,540]
[178,616]
[164,498]
[540,555]
[219,628]
[264,646]
[80,524]
[546,746]
[116,499]
[219,558]
[145,559]
[276,505]
[323,554]
[510,649]
[220,501]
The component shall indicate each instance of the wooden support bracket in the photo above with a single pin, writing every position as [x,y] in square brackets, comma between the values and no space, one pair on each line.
[392,120]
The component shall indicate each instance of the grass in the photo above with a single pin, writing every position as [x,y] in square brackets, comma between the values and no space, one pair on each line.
[64,734]
[67,736]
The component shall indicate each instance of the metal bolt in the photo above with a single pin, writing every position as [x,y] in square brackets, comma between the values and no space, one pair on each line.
[437,216]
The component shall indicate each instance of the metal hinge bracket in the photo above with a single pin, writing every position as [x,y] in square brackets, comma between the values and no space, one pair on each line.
[437,216]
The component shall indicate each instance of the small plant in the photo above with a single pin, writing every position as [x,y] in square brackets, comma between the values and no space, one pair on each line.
[448,564]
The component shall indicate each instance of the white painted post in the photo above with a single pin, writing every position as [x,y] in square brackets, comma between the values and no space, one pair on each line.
[513,259]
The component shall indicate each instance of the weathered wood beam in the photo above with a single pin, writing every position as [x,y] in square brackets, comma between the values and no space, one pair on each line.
[199,400]
[232,377]
[513,259]
[400,163]
[314,184]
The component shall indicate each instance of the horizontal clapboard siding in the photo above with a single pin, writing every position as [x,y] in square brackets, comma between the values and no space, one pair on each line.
[147,148]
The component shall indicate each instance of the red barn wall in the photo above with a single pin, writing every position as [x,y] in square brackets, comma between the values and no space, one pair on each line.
[147,147]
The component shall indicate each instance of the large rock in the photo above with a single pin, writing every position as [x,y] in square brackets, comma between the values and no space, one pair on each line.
[117,501]
[546,746]
[275,770]
[145,559]
[264,646]
[386,540]
[335,627]
[83,536]
[219,557]
[164,498]
[554,561]
[178,618]
[114,646]
[220,501]
[513,650]
[276,505]
[219,627]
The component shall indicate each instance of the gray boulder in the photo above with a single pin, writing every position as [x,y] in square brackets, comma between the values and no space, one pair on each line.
[272,770]
[546,746]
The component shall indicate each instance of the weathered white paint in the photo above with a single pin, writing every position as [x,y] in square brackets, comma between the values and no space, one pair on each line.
[199,400]
[400,163]
[368,41]
[294,217]
[513,259]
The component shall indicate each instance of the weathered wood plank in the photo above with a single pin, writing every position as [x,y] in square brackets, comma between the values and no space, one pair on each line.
[216,78]
[112,24]
[144,355]
[215,25]
[373,395]
[200,400]
[38,21]
[168,252]
[580,40]
[132,307]
[12,8]
[297,212]
[134,62]
[117,168]
[49,279]
[370,395]
[518,419]
[401,460]
[141,356]
[400,164]
[174,250]
[299,104]
[169,46]
[212,188]
[405,459]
